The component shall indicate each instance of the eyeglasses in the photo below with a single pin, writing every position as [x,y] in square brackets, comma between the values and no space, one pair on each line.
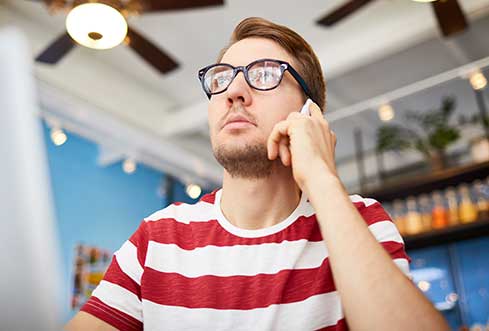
[263,75]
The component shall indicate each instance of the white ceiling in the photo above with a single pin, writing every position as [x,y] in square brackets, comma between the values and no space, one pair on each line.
[388,44]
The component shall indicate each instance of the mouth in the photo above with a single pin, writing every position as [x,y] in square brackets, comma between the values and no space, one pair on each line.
[238,124]
[237,121]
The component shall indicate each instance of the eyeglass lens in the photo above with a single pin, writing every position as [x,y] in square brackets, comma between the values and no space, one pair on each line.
[262,75]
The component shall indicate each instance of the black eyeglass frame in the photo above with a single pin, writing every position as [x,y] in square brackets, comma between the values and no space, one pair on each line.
[284,66]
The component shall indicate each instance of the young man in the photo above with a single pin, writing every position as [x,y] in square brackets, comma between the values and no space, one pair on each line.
[282,246]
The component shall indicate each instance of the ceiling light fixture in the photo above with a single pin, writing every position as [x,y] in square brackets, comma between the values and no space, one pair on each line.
[129,166]
[58,136]
[478,80]
[386,112]
[96,25]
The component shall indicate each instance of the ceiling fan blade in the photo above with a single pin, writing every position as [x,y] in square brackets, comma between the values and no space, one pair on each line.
[451,19]
[149,52]
[341,12]
[59,48]
[46,2]
[155,5]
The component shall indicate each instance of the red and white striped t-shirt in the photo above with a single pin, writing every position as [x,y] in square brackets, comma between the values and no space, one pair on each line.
[188,268]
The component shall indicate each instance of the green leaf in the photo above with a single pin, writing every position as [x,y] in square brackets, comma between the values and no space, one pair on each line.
[424,131]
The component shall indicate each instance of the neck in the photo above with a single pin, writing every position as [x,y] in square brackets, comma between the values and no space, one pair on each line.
[259,203]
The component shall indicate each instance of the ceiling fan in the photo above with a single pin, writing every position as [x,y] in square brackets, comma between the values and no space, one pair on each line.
[450,17]
[102,24]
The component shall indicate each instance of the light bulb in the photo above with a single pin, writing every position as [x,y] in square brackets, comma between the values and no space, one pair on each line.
[129,166]
[193,191]
[451,297]
[96,25]
[386,112]
[478,80]
[424,285]
[58,136]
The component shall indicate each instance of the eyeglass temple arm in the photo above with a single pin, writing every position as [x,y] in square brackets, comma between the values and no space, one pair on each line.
[301,82]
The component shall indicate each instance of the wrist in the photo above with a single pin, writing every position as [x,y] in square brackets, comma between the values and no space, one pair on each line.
[321,180]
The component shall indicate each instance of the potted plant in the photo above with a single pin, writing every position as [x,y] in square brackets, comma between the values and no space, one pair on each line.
[479,145]
[428,132]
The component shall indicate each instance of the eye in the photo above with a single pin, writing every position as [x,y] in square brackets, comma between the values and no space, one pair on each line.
[264,75]
[218,78]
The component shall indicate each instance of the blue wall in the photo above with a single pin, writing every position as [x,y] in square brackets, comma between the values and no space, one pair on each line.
[100,206]
[95,205]
[461,268]
[472,258]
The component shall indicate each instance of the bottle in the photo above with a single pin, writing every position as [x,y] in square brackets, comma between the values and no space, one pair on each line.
[388,209]
[399,215]
[468,210]
[439,212]
[453,212]
[481,192]
[414,223]
[425,207]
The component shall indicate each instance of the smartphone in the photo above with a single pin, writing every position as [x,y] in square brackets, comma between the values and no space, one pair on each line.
[305,108]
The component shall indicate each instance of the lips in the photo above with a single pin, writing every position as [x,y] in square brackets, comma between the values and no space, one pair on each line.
[237,121]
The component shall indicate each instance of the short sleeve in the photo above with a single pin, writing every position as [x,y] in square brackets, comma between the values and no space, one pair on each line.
[384,230]
[117,299]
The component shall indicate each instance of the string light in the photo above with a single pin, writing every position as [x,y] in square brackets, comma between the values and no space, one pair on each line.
[451,297]
[386,112]
[478,80]
[58,136]
[129,166]
[193,191]
[424,285]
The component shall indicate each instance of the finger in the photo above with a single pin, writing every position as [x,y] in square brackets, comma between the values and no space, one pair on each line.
[284,152]
[315,111]
[334,144]
[273,141]
[295,114]
[317,115]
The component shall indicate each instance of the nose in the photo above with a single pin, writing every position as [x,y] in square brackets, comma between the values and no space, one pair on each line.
[239,90]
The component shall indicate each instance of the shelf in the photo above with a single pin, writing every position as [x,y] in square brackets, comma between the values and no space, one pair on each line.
[447,235]
[437,180]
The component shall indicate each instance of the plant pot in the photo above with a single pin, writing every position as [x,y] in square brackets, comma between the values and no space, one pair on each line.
[479,149]
[437,160]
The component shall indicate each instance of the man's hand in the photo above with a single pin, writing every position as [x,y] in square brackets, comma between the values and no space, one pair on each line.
[360,265]
[306,143]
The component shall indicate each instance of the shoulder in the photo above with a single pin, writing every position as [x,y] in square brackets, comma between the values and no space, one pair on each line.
[362,202]
[370,209]
[202,210]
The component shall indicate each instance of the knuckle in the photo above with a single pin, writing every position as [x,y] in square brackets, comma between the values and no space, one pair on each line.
[324,126]
[293,115]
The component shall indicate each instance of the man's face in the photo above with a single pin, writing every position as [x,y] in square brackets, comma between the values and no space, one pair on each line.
[241,147]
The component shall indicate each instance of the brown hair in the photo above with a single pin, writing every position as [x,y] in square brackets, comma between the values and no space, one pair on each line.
[307,63]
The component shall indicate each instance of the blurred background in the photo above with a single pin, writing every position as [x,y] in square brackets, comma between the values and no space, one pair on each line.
[125,130]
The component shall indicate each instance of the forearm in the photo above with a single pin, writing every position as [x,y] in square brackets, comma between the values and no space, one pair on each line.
[375,294]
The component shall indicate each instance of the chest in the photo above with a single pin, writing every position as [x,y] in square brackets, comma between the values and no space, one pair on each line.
[237,277]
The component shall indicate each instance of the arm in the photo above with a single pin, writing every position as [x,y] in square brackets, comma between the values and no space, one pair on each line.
[115,303]
[376,295]
[84,321]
